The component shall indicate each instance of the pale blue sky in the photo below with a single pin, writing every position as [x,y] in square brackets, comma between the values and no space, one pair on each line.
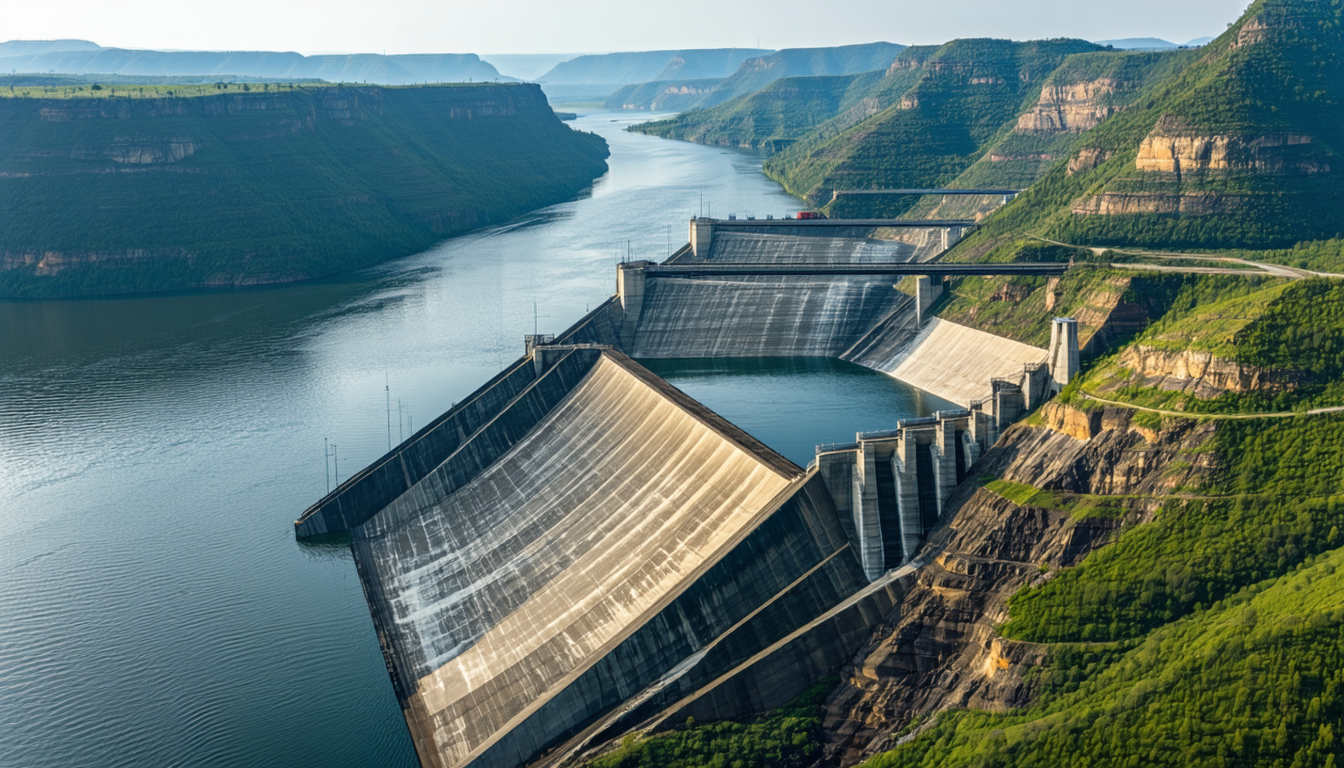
[543,26]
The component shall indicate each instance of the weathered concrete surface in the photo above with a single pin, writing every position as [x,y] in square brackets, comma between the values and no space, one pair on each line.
[600,531]
[956,363]
[766,316]
[774,248]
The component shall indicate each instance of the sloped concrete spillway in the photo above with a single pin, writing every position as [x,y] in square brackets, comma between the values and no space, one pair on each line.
[578,548]
[598,533]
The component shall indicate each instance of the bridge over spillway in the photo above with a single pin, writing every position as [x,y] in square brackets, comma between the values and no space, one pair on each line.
[722,269]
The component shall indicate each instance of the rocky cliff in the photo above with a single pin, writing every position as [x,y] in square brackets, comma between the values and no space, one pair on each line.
[115,195]
[1074,107]
[940,648]
[1198,372]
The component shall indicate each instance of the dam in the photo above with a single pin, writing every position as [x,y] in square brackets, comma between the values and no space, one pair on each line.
[578,548]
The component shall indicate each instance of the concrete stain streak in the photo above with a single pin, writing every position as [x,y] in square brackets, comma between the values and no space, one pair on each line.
[594,515]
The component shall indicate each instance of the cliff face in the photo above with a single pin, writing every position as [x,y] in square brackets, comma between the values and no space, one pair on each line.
[1182,203]
[1074,107]
[113,195]
[1199,373]
[1167,151]
[939,649]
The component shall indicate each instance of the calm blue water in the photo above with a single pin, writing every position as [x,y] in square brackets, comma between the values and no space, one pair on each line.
[795,404]
[155,609]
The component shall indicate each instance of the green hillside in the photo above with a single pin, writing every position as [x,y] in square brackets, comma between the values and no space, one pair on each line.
[795,108]
[965,93]
[1212,632]
[773,118]
[116,195]
[1240,149]
[755,74]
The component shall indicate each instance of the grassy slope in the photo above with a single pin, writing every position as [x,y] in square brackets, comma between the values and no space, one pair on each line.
[1214,634]
[772,118]
[1293,329]
[1291,82]
[756,74]
[1031,155]
[966,92]
[281,186]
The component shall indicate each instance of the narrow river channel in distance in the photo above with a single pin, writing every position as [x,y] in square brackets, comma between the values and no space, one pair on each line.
[155,609]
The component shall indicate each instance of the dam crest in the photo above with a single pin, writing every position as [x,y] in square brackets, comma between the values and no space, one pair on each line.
[578,549]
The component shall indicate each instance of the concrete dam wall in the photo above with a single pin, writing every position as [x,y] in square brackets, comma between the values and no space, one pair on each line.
[957,363]
[578,548]
[598,532]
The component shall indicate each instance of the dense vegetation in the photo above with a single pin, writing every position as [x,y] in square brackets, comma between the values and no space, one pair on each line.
[783,738]
[1212,634]
[771,119]
[1256,679]
[130,195]
[1291,332]
[1278,499]
[966,92]
[1278,72]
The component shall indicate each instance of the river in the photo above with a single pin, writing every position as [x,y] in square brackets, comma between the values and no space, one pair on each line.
[155,609]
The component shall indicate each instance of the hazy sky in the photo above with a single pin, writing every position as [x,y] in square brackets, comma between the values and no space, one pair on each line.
[546,26]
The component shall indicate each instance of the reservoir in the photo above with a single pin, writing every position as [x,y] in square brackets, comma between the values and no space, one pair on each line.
[154,452]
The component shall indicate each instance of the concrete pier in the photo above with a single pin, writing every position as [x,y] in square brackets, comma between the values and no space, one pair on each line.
[893,484]
[1064,362]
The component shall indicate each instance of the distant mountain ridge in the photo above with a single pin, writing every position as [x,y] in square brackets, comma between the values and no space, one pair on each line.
[1152,43]
[755,74]
[75,56]
[624,68]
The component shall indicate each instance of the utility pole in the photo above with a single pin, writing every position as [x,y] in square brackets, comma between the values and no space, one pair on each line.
[535,317]
[326,462]
[335,464]
[401,437]
[387,394]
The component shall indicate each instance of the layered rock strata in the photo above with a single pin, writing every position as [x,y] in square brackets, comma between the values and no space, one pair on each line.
[940,649]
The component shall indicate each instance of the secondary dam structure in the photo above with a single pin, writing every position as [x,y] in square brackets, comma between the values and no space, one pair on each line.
[578,549]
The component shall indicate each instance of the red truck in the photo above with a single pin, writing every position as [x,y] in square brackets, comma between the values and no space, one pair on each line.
[811,215]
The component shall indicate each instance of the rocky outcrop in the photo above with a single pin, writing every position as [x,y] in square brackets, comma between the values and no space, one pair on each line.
[1087,159]
[939,648]
[1073,107]
[1262,28]
[132,152]
[1183,203]
[1171,148]
[1200,373]
[1078,424]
